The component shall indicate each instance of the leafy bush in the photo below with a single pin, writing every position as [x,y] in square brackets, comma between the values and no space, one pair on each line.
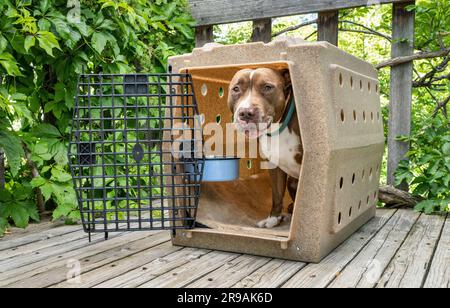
[427,169]
[44,46]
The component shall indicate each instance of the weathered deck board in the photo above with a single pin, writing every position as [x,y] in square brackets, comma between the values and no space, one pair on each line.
[271,275]
[411,263]
[97,247]
[59,274]
[120,267]
[439,274]
[33,247]
[188,273]
[156,268]
[366,269]
[9,243]
[322,274]
[404,248]
[230,273]
[34,228]
[43,254]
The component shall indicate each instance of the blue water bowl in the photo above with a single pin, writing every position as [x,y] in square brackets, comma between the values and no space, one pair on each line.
[217,169]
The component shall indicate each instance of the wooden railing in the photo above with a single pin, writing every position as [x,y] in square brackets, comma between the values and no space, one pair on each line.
[213,12]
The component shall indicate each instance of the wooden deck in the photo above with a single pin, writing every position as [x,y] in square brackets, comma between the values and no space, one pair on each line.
[399,248]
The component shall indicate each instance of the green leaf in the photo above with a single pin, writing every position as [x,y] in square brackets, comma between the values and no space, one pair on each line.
[45,169]
[32,211]
[60,153]
[20,216]
[60,92]
[44,5]
[46,130]
[3,225]
[99,41]
[75,215]
[3,43]
[60,175]
[107,25]
[40,152]
[38,182]
[44,24]
[30,41]
[22,192]
[70,36]
[446,148]
[63,210]
[48,42]
[46,191]
[5,197]
[9,64]
[108,4]
[84,29]
[185,30]
[12,146]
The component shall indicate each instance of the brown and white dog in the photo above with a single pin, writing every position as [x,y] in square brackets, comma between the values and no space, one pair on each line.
[258,99]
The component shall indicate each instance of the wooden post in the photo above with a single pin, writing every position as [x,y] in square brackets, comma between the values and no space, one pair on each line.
[204,35]
[2,169]
[401,88]
[328,27]
[262,30]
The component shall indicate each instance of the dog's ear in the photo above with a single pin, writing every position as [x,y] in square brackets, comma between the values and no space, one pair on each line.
[287,82]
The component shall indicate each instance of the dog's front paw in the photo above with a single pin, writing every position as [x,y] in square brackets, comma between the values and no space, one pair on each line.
[270,222]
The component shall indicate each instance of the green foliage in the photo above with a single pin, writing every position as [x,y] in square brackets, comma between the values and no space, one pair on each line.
[18,206]
[44,46]
[432,21]
[428,167]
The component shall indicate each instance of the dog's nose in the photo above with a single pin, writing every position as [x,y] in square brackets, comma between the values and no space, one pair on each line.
[247,114]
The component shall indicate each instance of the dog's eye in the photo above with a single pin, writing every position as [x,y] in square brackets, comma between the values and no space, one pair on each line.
[236,89]
[268,88]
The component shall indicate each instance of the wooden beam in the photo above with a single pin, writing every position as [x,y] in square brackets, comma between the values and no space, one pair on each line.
[328,27]
[262,30]
[213,12]
[204,35]
[401,88]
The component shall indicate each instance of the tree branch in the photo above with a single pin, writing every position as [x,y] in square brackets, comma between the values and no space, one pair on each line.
[394,197]
[441,105]
[417,56]
[309,36]
[430,82]
[430,78]
[311,22]
[293,28]
[368,30]
[359,31]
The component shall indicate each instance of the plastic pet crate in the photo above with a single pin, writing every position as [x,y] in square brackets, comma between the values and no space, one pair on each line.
[338,107]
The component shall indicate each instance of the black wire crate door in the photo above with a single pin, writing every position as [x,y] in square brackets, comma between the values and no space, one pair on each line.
[134,152]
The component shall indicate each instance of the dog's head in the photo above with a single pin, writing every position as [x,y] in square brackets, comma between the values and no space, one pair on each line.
[258,98]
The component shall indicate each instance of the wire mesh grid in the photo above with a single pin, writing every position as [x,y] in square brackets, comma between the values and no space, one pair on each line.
[132,138]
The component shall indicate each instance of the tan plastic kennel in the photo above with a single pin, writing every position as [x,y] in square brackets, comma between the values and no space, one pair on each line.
[338,105]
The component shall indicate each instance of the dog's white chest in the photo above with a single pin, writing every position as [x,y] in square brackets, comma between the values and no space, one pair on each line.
[283,151]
